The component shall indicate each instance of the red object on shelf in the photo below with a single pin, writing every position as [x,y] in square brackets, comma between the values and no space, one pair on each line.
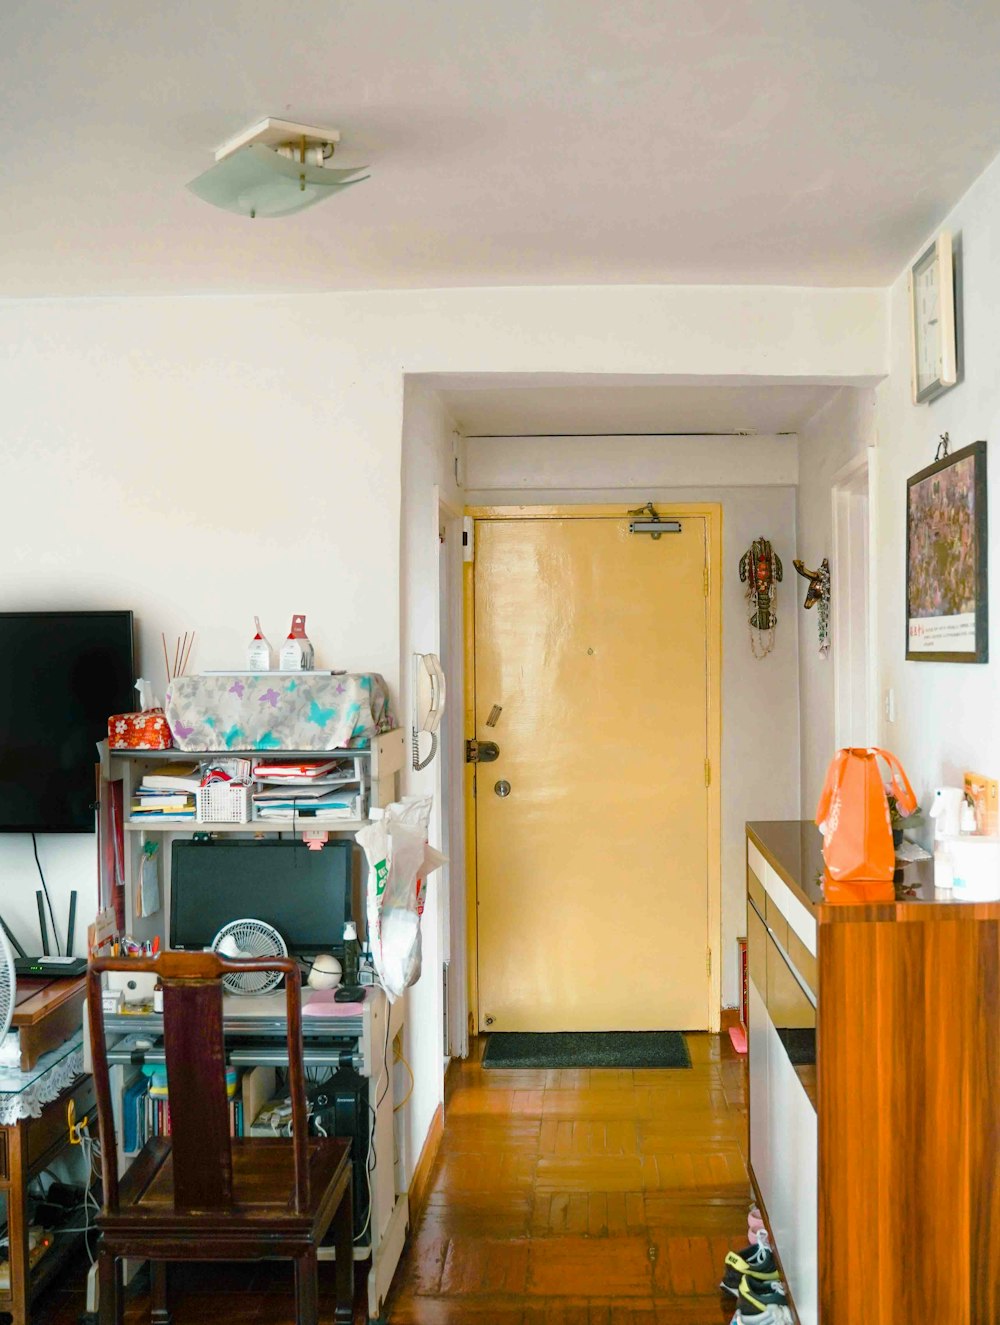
[140,731]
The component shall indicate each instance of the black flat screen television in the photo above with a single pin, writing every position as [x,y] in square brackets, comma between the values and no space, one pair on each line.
[62,675]
[305,895]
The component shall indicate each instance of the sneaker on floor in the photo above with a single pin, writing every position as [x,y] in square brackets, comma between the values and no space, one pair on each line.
[757,1296]
[754,1224]
[757,1260]
[776,1315]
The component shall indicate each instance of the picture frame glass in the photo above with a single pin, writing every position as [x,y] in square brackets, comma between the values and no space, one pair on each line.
[927,321]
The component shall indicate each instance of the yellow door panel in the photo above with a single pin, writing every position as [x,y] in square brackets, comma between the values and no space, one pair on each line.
[593,870]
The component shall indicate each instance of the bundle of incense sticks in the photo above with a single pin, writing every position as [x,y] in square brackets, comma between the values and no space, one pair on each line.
[182,653]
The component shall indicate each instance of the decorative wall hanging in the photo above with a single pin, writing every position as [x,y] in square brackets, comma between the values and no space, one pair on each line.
[932,310]
[818,592]
[946,553]
[760,571]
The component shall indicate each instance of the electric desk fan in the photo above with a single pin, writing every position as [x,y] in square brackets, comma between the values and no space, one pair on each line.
[8,985]
[249,938]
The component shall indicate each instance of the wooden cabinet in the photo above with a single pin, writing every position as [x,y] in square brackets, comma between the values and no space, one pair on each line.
[876,1162]
[26,1147]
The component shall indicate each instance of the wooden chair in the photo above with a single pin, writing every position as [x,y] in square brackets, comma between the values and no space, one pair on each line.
[198,1194]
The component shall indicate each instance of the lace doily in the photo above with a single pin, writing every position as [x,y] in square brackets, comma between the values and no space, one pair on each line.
[27,1102]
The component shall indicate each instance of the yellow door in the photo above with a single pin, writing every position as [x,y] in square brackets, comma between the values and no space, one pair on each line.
[593,867]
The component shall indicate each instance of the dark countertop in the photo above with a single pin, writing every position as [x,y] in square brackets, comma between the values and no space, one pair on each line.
[793,848]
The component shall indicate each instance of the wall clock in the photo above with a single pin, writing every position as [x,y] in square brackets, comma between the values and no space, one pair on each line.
[932,311]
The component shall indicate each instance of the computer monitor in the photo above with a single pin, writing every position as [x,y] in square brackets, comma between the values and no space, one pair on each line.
[305,895]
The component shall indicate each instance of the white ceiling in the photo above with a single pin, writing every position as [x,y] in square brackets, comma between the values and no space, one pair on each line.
[580,409]
[530,142]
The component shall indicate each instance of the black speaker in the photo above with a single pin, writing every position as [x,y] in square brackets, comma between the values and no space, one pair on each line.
[339,1107]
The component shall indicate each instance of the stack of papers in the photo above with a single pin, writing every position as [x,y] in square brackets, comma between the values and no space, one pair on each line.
[304,803]
[167,794]
[304,771]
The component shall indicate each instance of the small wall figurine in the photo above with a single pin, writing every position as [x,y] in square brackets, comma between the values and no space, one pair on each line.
[761,571]
[818,592]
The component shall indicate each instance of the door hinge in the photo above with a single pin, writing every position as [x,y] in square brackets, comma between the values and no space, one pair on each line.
[468,538]
[708,772]
[706,581]
[708,961]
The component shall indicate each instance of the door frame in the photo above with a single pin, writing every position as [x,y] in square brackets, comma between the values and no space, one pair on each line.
[857,478]
[711,513]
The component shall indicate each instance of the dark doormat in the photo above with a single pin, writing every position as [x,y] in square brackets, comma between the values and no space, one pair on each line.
[586,1049]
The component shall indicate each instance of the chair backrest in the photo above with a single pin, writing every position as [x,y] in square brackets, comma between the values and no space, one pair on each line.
[196,1073]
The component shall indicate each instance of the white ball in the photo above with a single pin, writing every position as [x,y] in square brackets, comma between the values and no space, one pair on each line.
[325,972]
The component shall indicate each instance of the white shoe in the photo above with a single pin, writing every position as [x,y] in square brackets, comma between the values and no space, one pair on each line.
[776,1315]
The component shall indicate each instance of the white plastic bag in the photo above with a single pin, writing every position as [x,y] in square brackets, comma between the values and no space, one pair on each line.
[395,844]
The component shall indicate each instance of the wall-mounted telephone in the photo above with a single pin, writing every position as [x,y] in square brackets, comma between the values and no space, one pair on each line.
[428,703]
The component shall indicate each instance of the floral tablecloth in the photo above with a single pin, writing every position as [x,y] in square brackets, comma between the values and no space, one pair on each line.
[277,711]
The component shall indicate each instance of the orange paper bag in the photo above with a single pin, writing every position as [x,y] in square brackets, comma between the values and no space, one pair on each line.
[854,816]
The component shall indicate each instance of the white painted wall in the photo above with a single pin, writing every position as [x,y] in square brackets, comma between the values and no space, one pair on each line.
[430,445]
[839,431]
[760,712]
[203,459]
[947,714]
[522,463]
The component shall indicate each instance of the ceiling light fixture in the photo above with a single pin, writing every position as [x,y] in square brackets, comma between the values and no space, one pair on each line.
[275,168]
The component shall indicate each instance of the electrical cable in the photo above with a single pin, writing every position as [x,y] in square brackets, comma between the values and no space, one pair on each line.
[369,1170]
[45,890]
[385,1065]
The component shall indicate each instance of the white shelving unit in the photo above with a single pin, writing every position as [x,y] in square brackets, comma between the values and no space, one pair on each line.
[378,768]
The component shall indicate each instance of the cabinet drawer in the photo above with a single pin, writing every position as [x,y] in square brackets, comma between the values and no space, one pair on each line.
[804,962]
[51,1127]
[757,941]
[776,921]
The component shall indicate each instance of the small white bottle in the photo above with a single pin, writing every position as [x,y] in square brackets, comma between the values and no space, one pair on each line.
[258,651]
[297,651]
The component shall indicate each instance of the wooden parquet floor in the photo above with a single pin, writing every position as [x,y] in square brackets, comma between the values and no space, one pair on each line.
[583,1197]
[558,1198]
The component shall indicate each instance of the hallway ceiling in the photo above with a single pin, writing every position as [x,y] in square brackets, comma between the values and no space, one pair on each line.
[581,410]
[535,142]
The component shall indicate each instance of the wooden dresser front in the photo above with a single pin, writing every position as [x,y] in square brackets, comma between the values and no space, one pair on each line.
[874,1059]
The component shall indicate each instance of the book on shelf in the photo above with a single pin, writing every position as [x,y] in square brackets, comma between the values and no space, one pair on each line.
[146,1113]
[176,777]
[171,815]
[133,1115]
[153,800]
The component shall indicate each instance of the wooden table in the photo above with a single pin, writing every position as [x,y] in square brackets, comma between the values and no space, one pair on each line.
[47,1014]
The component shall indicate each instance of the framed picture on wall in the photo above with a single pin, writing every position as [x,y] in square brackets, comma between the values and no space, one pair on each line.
[946,552]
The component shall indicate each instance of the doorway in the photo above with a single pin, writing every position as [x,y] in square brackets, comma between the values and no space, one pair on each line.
[596,674]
